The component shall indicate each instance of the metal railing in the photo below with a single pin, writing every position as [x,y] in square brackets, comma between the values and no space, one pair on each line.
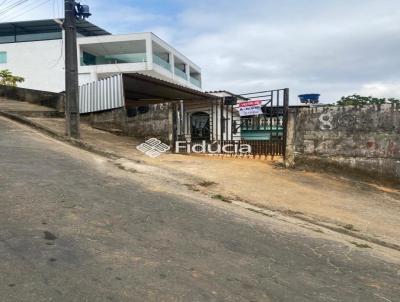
[195,82]
[161,62]
[258,148]
[114,59]
[181,73]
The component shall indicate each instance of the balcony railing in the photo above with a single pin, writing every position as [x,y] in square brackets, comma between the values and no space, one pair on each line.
[181,73]
[161,62]
[89,60]
[195,82]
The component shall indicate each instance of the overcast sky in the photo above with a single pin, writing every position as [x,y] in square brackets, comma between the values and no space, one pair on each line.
[332,47]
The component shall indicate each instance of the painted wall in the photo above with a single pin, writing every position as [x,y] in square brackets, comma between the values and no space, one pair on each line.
[214,111]
[41,63]
[366,139]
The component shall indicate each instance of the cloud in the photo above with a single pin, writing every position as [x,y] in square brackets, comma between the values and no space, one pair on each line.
[331,47]
[381,89]
[334,48]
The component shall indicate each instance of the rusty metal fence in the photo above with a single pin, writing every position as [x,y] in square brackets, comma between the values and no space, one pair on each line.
[238,148]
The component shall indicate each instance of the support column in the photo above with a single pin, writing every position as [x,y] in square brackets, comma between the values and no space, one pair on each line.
[149,52]
[290,139]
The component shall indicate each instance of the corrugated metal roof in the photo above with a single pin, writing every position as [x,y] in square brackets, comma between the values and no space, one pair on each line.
[143,87]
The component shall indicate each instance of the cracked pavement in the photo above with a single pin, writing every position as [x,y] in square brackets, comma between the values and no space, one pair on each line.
[73,227]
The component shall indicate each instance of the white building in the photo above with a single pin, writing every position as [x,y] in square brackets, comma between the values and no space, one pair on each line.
[35,51]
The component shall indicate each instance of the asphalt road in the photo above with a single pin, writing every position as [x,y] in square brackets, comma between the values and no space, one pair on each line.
[75,228]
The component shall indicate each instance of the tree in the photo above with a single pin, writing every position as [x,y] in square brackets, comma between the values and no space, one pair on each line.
[8,79]
[358,100]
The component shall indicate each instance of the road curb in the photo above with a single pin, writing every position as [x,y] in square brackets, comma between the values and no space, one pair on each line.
[110,155]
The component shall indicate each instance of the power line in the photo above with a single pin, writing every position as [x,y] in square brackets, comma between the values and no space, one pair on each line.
[31,8]
[12,6]
[4,2]
[7,14]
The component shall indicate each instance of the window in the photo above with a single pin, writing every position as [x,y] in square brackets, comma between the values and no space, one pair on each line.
[3,57]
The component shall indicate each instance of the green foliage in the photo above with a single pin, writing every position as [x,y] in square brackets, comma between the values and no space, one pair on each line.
[358,100]
[7,78]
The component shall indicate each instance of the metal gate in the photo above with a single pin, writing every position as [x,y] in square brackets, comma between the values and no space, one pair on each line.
[229,132]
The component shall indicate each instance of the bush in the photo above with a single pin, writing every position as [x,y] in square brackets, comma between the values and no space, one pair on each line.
[358,100]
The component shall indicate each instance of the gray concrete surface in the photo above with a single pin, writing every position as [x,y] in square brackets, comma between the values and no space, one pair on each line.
[75,228]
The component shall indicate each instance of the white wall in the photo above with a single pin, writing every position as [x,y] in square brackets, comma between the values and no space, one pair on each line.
[41,63]
[214,110]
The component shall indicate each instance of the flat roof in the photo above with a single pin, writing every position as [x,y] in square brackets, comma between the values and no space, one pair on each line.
[49,25]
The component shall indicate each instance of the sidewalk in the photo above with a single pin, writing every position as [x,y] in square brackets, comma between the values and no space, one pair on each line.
[345,204]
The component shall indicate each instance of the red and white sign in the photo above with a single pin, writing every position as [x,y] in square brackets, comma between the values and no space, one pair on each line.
[250,108]
[250,103]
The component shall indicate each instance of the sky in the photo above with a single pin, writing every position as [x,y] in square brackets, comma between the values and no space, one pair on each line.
[331,47]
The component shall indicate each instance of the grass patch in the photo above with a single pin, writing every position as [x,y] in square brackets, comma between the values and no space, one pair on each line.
[207,184]
[350,227]
[221,197]
[259,212]
[361,245]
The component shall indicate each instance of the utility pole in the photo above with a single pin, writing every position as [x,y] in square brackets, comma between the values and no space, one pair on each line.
[71,72]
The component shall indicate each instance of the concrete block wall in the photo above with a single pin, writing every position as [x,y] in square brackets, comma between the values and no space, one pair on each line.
[107,120]
[43,98]
[364,139]
[154,123]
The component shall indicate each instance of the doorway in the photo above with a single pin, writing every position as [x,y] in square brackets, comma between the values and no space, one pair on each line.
[200,126]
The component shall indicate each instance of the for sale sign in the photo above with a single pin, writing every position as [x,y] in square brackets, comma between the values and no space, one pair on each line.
[250,108]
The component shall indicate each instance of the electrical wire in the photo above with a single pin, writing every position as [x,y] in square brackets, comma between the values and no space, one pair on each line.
[12,6]
[4,2]
[9,13]
[31,8]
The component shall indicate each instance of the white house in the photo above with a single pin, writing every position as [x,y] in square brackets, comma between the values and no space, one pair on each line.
[35,51]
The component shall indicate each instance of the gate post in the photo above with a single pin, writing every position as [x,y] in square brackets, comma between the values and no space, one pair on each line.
[173,119]
[290,143]
[285,120]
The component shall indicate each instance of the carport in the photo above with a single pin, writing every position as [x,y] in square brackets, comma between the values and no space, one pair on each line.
[146,107]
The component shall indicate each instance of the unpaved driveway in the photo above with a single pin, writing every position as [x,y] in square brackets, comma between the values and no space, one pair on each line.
[73,227]
[355,206]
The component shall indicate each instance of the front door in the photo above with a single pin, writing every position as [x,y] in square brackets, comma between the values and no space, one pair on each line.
[200,126]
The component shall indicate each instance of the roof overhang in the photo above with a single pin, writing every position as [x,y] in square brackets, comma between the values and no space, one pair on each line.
[49,25]
[139,87]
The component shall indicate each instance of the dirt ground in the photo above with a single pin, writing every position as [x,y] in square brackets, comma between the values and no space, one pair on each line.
[75,227]
[339,201]
[333,200]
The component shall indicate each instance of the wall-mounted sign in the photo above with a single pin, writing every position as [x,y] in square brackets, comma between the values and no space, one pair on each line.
[250,108]
[230,100]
